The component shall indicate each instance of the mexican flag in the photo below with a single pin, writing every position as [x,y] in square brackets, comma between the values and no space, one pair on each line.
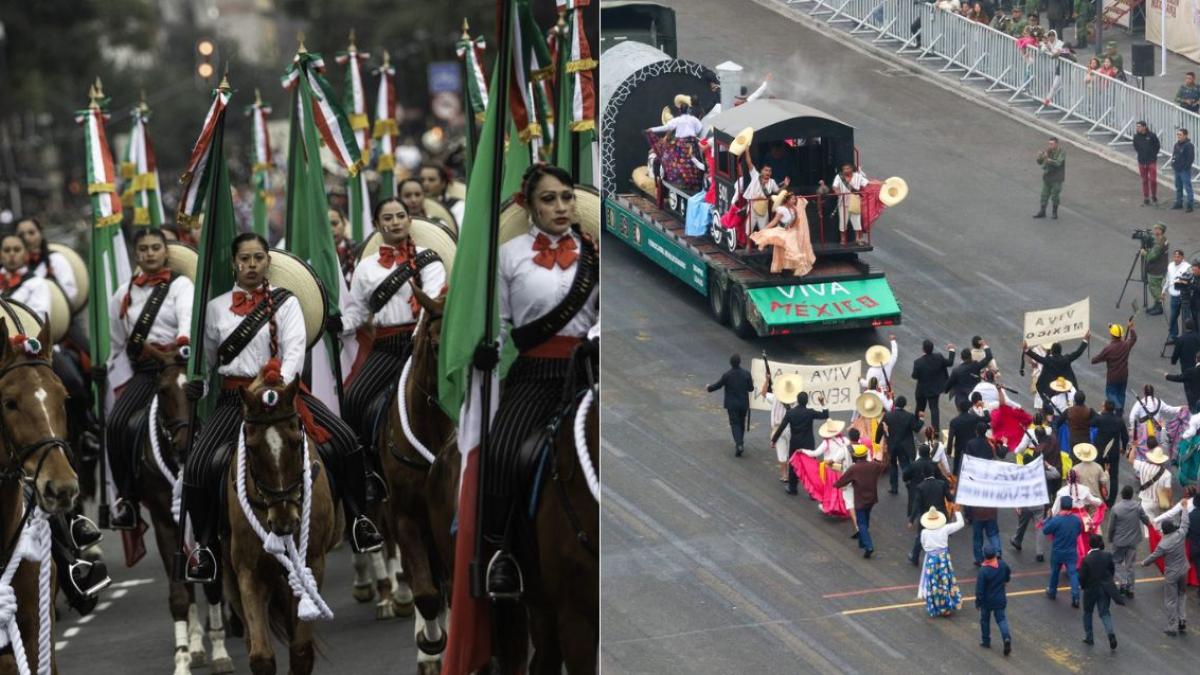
[261,164]
[470,52]
[385,131]
[139,171]
[575,114]
[356,114]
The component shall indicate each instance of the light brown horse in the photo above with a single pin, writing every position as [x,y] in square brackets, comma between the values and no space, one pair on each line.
[256,584]
[33,427]
[169,425]
[406,470]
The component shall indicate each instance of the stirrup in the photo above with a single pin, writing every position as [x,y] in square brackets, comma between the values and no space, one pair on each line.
[88,534]
[376,488]
[503,557]
[196,555]
[358,547]
[132,508]
[81,572]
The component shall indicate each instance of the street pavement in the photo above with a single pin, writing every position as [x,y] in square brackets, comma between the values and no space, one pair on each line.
[131,631]
[707,566]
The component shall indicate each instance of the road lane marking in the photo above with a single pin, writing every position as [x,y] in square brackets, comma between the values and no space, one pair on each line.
[918,242]
[689,633]
[85,619]
[921,603]
[616,452]
[883,589]
[129,583]
[103,606]
[60,645]
[1002,286]
[119,593]
[689,504]
[71,632]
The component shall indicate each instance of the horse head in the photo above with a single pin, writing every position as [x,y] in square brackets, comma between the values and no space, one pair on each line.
[275,447]
[174,411]
[33,420]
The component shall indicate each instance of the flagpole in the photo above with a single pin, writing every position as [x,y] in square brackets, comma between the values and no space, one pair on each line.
[472,133]
[489,313]
[179,559]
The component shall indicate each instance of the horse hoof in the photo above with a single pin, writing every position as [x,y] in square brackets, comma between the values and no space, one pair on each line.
[384,611]
[402,609]
[429,667]
[199,658]
[364,593]
[183,662]
[431,648]
[222,666]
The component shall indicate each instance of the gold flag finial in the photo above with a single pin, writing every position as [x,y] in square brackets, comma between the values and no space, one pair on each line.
[300,39]
[387,59]
[561,24]
[466,29]
[257,97]
[353,47]
[224,86]
[96,93]
[143,107]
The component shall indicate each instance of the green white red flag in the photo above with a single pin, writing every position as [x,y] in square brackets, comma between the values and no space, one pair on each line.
[470,52]
[385,131]
[140,173]
[260,164]
[576,98]
[197,178]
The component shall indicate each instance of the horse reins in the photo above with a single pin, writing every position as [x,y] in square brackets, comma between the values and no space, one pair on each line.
[430,399]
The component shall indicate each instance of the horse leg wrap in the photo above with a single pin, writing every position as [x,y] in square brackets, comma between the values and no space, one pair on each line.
[183,657]
[195,635]
[430,638]
[216,636]
[379,566]
[364,587]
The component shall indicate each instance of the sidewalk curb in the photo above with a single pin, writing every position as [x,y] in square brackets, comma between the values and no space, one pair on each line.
[979,97]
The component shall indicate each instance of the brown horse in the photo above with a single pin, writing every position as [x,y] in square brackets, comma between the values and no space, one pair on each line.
[406,469]
[33,426]
[167,429]
[276,455]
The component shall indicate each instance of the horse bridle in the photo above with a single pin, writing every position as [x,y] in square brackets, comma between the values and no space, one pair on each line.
[19,454]
[288,493]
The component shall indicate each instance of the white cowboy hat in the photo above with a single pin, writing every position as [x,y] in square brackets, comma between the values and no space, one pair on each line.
[424,233]
[1062,385]
[869,405]
[933,519]
[643,180]
[1157,456]
[290,272]
[81,274]
[456,189]
[787,388]
[20,319]
[60,311]
[1086,452]
[742,141]
[893,191]
[877,355]
[514,219]
[435,211]
[831,428]
[181,258]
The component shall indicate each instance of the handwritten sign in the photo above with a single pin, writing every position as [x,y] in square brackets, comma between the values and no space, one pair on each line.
[991,483]
[839,382]
[1047,326]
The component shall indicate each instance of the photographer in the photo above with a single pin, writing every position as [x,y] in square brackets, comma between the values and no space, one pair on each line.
[1188,285]
[1176,270]
[1154,255]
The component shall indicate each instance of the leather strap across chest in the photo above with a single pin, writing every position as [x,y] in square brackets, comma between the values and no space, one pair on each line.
[587,275]
[400,276]
[249,327]
[145,320]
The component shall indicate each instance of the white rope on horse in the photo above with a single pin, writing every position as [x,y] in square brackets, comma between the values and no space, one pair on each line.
[156,450]
[581,446]
[402,403]
[34,546]
[293,559]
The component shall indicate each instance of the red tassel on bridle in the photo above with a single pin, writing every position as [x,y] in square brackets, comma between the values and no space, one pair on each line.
[271,373]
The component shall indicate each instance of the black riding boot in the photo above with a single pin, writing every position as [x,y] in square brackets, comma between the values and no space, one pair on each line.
[80,580]
[202,563]
[351,477]
[503,578]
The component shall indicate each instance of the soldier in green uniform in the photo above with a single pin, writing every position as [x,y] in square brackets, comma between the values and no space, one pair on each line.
[1083,16]
[1054,171]
[1156,266]
[1118,61]
[1016,26]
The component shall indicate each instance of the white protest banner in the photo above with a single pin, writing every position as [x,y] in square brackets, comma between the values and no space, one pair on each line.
[1047,326]
[984,482]
[838,382]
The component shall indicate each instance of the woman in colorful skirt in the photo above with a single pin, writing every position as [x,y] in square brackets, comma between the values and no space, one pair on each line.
[938,586]
[834,453]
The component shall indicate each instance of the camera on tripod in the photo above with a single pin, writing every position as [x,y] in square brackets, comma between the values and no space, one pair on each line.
[1144,237]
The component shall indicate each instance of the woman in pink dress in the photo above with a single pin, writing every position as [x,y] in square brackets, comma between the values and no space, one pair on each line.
[788,234]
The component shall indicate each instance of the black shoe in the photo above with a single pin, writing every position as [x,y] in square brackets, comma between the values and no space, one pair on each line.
[84,533]
[855,535]
[791,492]
[1129,593]
[1088,641]
[1176,207]
[1188,209]
[376,489]
[89,577]
[1015,544]
[1040,558]
[1182,626]
[912,560]
[738,452]
[1007,647]
[201,566]
[893,491]
[1145,202]
[504,581]
[1041,213]
[1112,641]
[867,553]
[985,645]
[1054,213]
[364,536]
[124,515]
[1075,604]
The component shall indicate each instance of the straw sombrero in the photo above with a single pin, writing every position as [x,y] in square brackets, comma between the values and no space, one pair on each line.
[1086,452]
[933,519]
[1061,384]
[1157,456]
[288,271]
[780,197]
[514,219]
[666,115]
[79,267]
[20,319]
[457,189]
[60,311]
[787,388]
[868,405]
[682,100]
[742,141]
[877,355]
[424,233]
[831,428]
[181,259]
[643,180]
[437,212]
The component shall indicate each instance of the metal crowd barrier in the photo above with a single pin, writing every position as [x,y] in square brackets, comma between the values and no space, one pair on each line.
[1060,89]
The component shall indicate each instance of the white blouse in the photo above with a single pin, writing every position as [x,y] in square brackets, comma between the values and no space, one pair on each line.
[34,293]
[529,291]
[220,322]
[1145,471]
[1083,497]
[933,540]
[878,372]
[174,319]
[398,311]
[63,274]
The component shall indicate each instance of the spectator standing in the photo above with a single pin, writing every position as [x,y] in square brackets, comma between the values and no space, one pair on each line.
[1083,16]
[1053,161]
[1147,146]
[1172,291]
[991,597]
[1096,577]
[1182,158]
[1115,357]
[1156,267]
[930,372]
[1190,378]
[737,384]
[1125,534]
[1114,57]
[1188,95]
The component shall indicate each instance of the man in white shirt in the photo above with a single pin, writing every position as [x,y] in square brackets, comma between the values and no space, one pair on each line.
[684,124]
[1175,271]
[757,193]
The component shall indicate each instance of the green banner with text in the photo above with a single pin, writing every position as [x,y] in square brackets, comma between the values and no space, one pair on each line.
[656,246]
[833,301]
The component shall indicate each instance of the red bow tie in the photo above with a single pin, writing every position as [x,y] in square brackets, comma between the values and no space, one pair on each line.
[243,302]
[10,280]
[162,276]
[550,253]
[389,256]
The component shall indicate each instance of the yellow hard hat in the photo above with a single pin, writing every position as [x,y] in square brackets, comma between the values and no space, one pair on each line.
[1115,330]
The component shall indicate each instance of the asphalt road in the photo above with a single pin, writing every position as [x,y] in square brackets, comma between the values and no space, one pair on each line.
[707,566]
[131,631]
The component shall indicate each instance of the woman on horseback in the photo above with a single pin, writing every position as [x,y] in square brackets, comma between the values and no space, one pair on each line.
[246,328]
[549,303]
[18,282]
[44,262]
[381,304]
[153,308]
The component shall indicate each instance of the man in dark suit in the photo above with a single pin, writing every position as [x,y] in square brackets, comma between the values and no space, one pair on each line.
[1186,345]
[800,420]
[962,430]
[1096,579]
[1190,377]
[900,426]
[737,384]
[930,372]
[965,375]
[1055,364]
[1110,428]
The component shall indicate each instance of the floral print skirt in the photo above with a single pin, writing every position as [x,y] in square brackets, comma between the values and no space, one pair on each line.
[938,587]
